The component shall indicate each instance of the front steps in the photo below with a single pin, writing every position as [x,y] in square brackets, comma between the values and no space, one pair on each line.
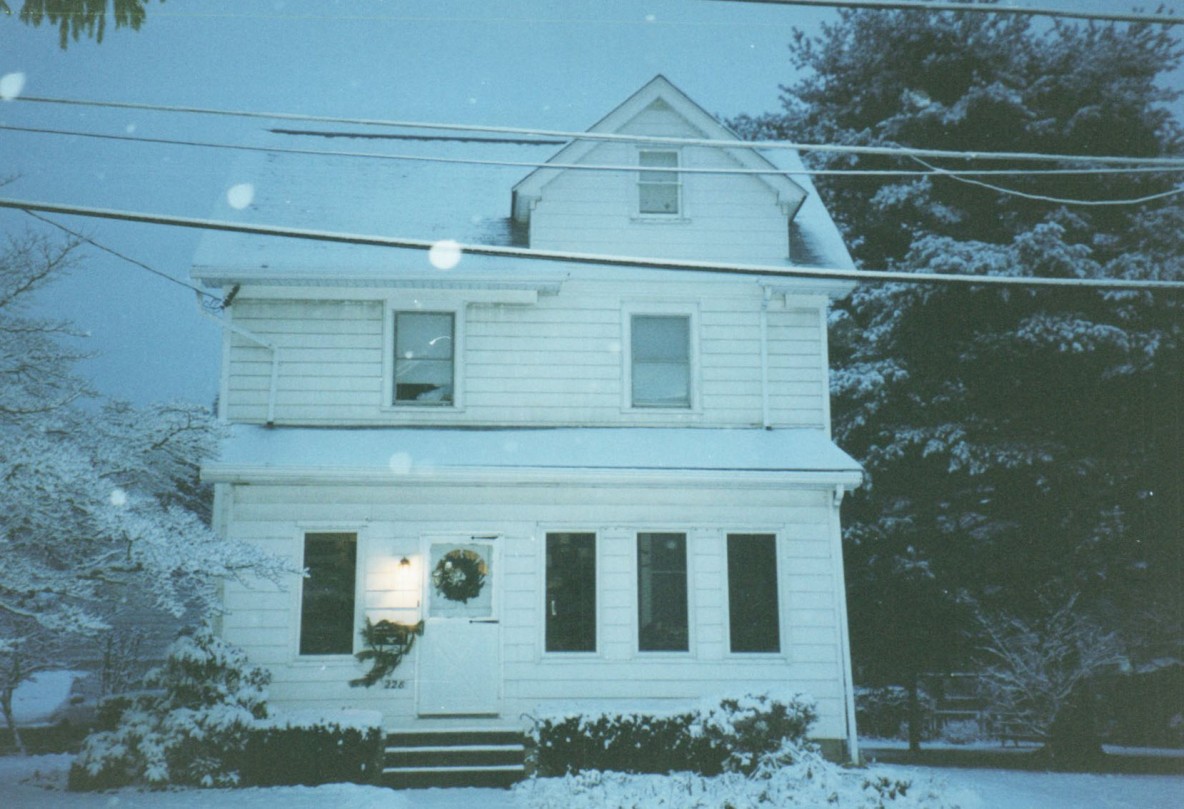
[454,758]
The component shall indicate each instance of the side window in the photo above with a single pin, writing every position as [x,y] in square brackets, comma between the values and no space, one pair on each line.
[662,593]
[658,188]
[661,360]
[753,610]
[424,358]
[571,593]
[327,595]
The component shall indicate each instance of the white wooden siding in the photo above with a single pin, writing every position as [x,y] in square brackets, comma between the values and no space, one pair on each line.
[560,361]
[724,217]
[397,519]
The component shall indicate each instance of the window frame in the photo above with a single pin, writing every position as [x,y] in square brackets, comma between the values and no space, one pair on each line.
[396,306]
[679,214]
[360,549]
[782,626]
[691,312]
[597,614]
[688,538]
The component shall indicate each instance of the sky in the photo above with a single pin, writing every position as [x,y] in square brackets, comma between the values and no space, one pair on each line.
[552,64]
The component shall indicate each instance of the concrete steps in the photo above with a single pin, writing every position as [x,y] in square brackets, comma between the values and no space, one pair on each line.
[454,758]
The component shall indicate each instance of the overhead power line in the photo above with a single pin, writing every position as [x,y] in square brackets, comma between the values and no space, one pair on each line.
[637,262]
[1027,11]
[594,167]
[135,262]
[886,151]
[1046,198]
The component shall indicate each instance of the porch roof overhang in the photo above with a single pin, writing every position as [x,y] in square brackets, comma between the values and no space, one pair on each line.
[609,455]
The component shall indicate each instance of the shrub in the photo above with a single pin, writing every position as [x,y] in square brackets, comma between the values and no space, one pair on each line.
[729,736]
[881,712]
[315,750]
[189,730]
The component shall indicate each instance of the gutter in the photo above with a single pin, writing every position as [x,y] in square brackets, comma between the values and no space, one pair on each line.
[254,338]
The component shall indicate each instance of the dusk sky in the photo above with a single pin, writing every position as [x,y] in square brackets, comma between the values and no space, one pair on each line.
[552,65]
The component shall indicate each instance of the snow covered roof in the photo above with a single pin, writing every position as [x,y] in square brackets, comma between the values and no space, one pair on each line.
[414,184]
[253,451]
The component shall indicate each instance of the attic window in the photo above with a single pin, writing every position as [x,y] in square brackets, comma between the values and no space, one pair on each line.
[658,186]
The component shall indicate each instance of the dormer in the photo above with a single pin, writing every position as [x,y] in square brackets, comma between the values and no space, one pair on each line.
[658,184]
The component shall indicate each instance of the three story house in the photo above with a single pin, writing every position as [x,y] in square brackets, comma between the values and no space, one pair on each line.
[601,474]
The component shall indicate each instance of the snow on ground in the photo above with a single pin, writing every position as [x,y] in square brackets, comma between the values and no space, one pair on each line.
[1012,789]
[38,783]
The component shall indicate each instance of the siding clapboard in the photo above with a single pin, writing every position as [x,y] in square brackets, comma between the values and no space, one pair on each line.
[560,361]
[394,520]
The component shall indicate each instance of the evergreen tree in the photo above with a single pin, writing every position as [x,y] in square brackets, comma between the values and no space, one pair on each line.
[77,18]
[1018,443]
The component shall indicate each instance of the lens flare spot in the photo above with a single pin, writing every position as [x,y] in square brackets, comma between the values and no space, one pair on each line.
[445,254]
[11,85]
[240,196]
[400,463]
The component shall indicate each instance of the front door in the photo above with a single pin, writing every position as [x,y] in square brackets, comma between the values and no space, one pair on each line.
[459,654]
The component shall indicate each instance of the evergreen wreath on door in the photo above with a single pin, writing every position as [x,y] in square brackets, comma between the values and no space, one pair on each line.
[460,575]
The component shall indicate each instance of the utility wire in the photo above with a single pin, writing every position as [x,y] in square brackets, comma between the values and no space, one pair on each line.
[84,238]
[1057,200]
[637,262]
[528,164]
[1030,11]
[887,151]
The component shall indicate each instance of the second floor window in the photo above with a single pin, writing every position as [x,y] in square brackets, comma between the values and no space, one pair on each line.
[661,357]
[658,188]
[424,358]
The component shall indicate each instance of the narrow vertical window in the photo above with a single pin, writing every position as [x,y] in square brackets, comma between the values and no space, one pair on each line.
[424,357]
[327,597]
[661,357]
[662,593]
[752,593]
[658,187]
[571,593]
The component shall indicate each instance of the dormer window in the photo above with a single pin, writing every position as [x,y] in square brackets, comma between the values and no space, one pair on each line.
[659,192]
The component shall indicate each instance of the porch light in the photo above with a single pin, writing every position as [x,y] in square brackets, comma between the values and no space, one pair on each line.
[404,563]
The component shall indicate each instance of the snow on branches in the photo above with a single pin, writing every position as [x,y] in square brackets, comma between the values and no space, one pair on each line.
[97,501]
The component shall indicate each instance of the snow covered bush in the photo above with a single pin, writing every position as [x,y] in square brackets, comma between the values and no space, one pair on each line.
[311,750]
[881,712]
[190,729]
[792,775]
[726,736]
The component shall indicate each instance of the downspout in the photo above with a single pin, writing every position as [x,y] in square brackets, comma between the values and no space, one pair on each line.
[254,338]
[766,294]
[845,634]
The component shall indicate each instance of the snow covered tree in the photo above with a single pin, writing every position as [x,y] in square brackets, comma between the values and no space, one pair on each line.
[97,500]
[1014,439]
[1039,672]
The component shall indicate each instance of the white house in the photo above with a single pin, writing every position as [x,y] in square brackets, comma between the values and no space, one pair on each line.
[600,484]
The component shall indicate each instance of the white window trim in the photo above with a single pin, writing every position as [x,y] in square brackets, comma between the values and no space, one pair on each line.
[454,307]
[680,216]
[598,652]
[692,633]
[628,311]
[779,554]
[362,540]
